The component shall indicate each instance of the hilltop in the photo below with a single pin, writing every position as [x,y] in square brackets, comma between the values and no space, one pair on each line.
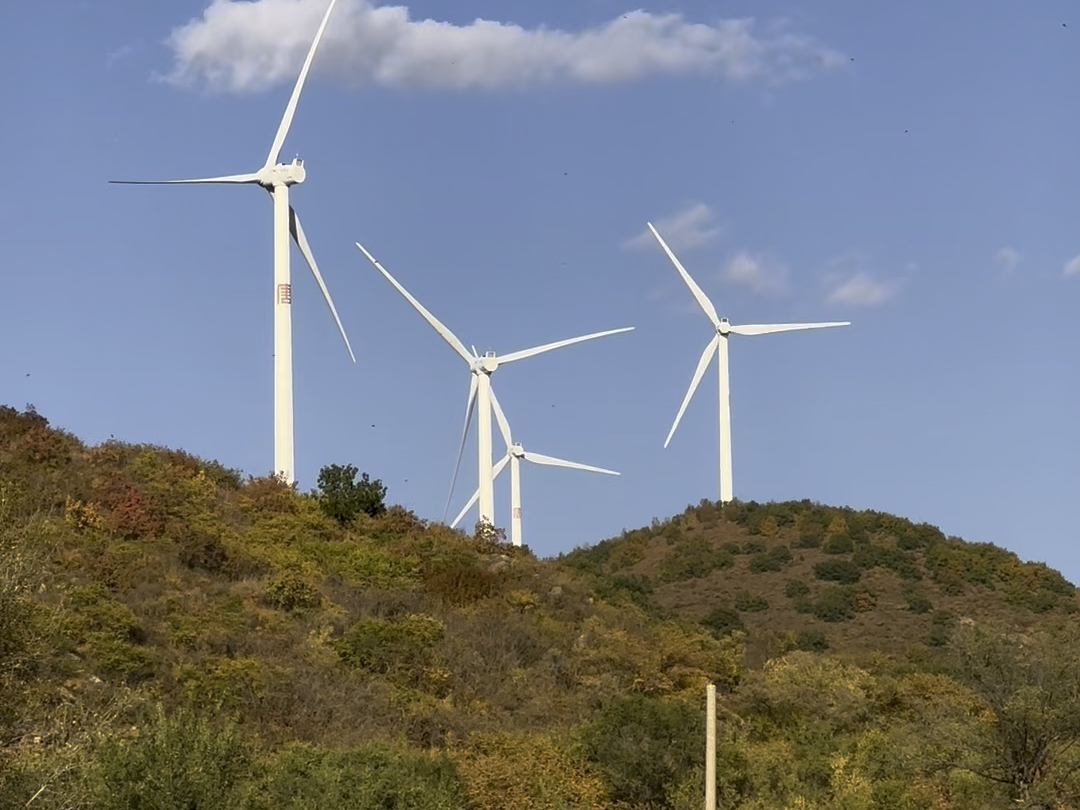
[800,574]
[175,635]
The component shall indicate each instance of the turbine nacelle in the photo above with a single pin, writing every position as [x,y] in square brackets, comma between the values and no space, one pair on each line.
[486,364]
[283,174]
[724,327]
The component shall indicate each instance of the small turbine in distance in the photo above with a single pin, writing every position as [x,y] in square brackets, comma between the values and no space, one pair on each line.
[514,454]
[277,178]
[481,367]
[718,345]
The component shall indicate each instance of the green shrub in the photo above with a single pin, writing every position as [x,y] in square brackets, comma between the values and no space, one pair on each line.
[692,559]
[794,588]
[811,641]
[942,623]
[372,777]
[643,747]
[401,647]
[753,547]
[750,603]
[175,763]
[843,571]
[838,544]
[290,591]
[342,497]
[772,560]
[723,621]
[870,555]
[918,602]
[463,584]
[835,604]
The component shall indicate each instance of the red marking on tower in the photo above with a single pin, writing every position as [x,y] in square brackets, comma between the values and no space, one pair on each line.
[517,513]
[284,293]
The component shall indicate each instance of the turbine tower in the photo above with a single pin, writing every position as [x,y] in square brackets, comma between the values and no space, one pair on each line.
[719,346]
[514,454]
[480,369]
[277,178]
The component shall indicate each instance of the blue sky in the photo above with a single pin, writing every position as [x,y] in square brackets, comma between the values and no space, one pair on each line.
[909,167]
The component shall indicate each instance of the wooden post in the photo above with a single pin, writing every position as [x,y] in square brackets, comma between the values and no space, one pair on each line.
[710,747]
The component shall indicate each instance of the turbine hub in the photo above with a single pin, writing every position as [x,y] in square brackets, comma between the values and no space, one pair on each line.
[517,451]
[485,364]
[724,327]
[285,174]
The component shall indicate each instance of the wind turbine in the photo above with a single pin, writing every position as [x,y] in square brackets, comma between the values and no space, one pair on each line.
[277,178]
[719,346]
[514,454]
[480,368]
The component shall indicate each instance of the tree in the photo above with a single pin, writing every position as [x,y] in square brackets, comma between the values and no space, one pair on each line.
[343,497]
[1030,686]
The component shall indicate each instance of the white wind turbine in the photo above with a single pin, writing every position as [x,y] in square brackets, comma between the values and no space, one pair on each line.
[480,368]
[719,346]
[276,178]
[514,454]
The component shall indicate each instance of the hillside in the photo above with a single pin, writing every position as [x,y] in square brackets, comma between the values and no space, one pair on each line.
[173,635]
[800,574]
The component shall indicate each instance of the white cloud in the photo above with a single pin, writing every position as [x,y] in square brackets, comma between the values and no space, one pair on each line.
[862,290]
[1072,267]
[1008,259]
[759,275]
[249,46]
[685,229]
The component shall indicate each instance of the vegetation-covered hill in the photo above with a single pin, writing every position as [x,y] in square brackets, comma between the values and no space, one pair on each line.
[173,636]
[803,575]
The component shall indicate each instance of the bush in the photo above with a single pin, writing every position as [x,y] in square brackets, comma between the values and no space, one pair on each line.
[772,560]
[343,498]
[723,621]
[839,544]
[750,603]
[919,603]
[525,772]
[643,747]
[372,777]
[176,763]
[400,647]
[692,559]
[462,584]
[836,604]
[942,623]
[796,588]
[870,555]
[843,571]
[811,641]
[290,591]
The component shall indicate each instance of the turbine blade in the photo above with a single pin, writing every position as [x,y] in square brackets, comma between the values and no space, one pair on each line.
[473,384]
[436,324]
[290,108]
[500,417]
[225,179]
[703,363]
[297,231]
[697,292]
[547,347]
[536,458]
[769,328]
[475,497]
[498,468]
